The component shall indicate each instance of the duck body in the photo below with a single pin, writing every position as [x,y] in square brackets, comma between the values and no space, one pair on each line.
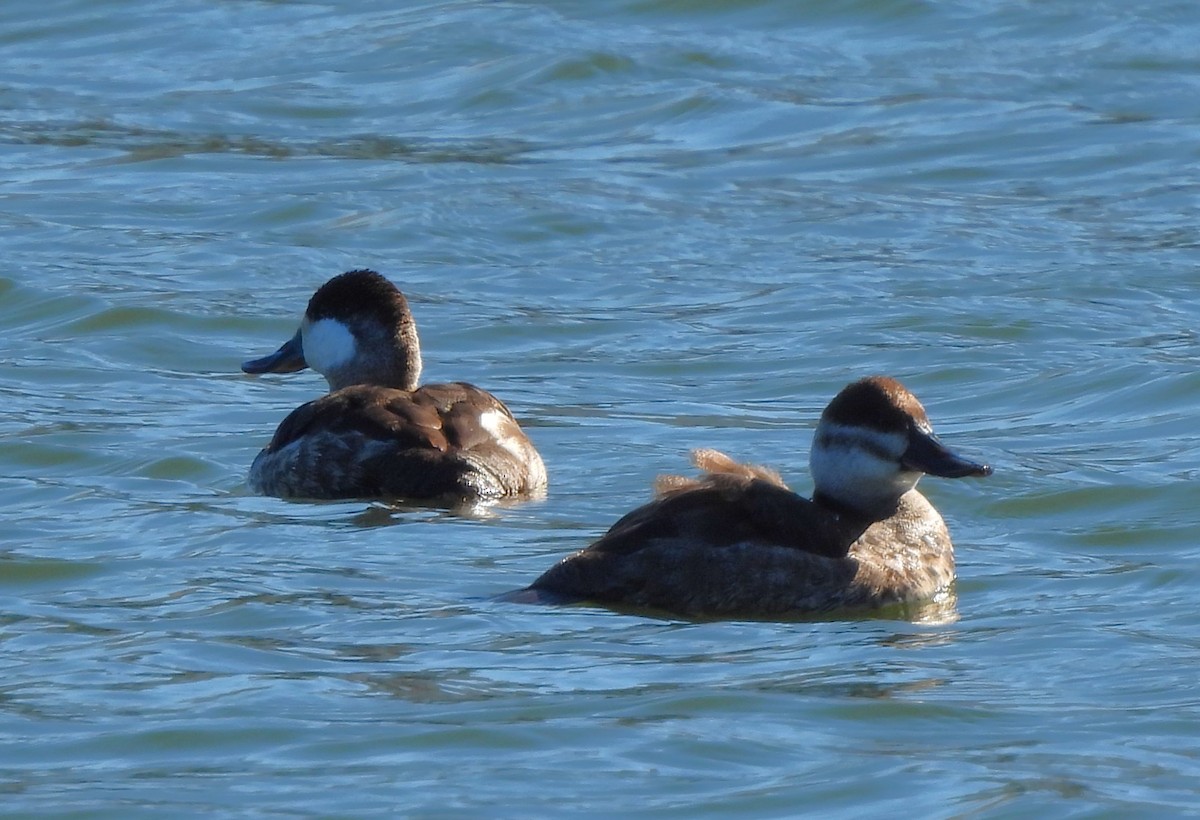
[377,434]
[736,542]
[732,545]
[439,442]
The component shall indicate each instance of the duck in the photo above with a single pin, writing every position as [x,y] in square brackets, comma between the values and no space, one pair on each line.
[736,542]
[376,433]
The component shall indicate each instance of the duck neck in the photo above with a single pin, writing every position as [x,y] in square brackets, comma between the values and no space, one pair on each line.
[381,359]
[871,511]
[404,371]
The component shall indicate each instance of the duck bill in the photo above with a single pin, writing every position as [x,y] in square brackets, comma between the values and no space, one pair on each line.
[287,359]
[927,454]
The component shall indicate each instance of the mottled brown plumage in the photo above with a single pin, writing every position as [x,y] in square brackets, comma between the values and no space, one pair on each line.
[736,542]
[377,434]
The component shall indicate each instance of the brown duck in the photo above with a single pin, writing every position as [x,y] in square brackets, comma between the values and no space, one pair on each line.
[376,433]
[737,542]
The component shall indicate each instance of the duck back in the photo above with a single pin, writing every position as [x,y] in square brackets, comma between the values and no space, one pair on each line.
[442,441]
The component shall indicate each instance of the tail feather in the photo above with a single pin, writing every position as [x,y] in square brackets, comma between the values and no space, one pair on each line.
[715,463]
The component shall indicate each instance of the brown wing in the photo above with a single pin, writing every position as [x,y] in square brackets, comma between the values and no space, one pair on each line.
[734,540]
[380,413]
[463,409]
[732,507]
[451,440]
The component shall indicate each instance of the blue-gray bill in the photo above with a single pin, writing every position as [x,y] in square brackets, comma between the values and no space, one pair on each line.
[927,453]
[287,359]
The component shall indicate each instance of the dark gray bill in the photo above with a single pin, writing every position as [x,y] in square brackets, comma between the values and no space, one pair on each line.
[287,359]
[927,454]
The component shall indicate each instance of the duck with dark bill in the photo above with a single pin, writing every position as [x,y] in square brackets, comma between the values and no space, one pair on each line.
[376,433]
[737,542]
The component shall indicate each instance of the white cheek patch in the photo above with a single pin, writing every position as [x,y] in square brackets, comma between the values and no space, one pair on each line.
[328,344]
[857,463]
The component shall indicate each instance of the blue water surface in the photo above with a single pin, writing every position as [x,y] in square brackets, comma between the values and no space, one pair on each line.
[649,226]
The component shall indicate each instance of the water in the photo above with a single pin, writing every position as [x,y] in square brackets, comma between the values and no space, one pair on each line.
[648,225]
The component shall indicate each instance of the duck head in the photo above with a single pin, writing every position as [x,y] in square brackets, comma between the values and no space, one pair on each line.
[357,330]
[873,444]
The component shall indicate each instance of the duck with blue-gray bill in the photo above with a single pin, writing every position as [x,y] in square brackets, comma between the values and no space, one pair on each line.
[736,542]
[377,434]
